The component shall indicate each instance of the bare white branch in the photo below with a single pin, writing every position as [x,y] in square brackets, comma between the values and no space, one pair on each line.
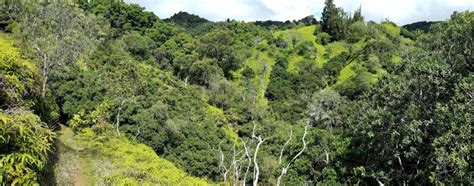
[256,168]
[285,169]
[222,164]
[284,145]
[249,162]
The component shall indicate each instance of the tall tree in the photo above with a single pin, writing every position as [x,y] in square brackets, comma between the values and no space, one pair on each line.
[334,21]
[329,11]
[57,35]
[358,15]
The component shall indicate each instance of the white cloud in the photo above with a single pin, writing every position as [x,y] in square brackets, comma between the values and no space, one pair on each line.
[399,11]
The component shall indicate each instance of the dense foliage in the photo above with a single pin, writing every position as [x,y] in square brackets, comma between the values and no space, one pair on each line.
[25,140]
[422,25]
[341,101]
[129,163]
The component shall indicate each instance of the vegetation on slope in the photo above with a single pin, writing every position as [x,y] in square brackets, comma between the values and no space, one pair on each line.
[25,140]
[106,158]
[341,101]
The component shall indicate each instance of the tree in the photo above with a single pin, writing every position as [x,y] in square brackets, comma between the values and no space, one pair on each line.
[138,46]
[284,170]
[186,20]
[220,45]
[202,72]
[324,109]
[329,11]
[122,17]
[416,121]
[334,21]
[357,16]
[57,35]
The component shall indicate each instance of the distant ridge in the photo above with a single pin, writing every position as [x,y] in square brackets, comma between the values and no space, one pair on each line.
[186,19]
[421,25]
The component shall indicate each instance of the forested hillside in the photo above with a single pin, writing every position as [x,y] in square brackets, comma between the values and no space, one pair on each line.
[105,92]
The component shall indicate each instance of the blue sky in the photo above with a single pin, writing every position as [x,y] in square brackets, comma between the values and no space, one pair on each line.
[399,11]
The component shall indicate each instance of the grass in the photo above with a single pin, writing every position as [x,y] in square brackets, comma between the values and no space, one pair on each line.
[73,165]
[261,63]
[324,54]
[307,33]
[376,76]
[228,129]
[393,30]
[293,61]
[336,48]
[302,34]
[396,59]
[233,136]
[347,72]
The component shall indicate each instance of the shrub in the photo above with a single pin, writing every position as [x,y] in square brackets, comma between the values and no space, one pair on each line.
[323,38]
[25,142]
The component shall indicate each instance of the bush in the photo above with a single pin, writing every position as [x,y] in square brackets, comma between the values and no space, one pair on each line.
[281,43]
[25,142]
[323,38]
[357,31]
[97,119]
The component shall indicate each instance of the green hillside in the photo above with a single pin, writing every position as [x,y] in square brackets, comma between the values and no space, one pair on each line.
[105,92]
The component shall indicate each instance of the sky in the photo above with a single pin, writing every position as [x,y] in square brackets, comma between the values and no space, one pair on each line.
[399,11]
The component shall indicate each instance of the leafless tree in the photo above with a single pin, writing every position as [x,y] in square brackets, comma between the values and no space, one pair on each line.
[222,166]
[285,168]
[117,117]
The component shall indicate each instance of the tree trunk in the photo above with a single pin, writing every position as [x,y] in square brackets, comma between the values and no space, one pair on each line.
[256,168]
[117,119]
[249,162]
[45,81]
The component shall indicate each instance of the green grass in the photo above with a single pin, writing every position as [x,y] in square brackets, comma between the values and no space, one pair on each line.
[307,32]
[73,164]
[231,134]
[347,72]
[393,30]
[293,61]
[257,62]
[228,129]
[406,41]
[324,54]
[376,76]
[216,112]
[320,59]
[336,48]
[302,34]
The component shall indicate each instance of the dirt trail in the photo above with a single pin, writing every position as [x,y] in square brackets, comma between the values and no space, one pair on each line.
[71,168]
[79,178]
